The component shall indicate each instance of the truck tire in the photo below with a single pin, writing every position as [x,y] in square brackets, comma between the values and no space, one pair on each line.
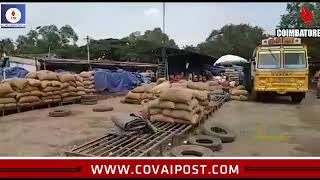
[253,95]
[297,98]
[213,143]
[219,131]
[191,151]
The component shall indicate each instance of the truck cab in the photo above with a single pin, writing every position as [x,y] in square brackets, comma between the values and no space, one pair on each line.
[280,67]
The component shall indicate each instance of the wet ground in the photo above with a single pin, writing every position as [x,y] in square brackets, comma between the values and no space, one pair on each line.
[276,128]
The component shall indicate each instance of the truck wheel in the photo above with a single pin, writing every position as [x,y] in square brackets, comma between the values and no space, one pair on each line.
[296,98]
[255,96]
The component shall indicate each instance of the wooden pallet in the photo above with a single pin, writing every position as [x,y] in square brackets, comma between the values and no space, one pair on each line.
[39,105]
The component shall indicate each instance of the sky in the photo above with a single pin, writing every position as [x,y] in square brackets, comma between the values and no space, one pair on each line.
[186,23]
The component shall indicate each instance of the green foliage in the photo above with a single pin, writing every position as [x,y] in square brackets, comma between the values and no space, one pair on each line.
[134,47]
[58,40]
[6,45]
[292,20]
[232,39]
[293,17]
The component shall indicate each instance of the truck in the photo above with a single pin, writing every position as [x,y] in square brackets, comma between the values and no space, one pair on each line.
[279,66]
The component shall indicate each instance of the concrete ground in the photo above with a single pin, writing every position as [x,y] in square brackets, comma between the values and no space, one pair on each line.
[275,128]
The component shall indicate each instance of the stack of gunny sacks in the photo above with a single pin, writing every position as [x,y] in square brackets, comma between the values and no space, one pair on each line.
[50,86]
[239,93]
[140,94]
[69,89]
[175,105]
[7,96]
[88,81]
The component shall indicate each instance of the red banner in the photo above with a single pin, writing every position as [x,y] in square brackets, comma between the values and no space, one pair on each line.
[160,168]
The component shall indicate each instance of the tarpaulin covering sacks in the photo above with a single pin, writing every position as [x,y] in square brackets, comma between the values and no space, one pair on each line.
[117,80]
[14,72]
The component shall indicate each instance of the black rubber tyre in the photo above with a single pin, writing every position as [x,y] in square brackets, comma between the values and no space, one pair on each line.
[191,151]
[60,113]
[296,99]
[102,108]
[219,131]
[213,143]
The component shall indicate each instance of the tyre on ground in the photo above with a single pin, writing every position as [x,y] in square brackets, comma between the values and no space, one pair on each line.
[211,142]
[219,131]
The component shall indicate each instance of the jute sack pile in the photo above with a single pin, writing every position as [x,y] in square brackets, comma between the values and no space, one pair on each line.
[139,94]
[7,96]
[69,85]
[214,85]
[88,81]
[204,101]
[51,90]
[159,88]
[239,94]
[50,85]
[27,91]
[182,84]
[79,85]
[202,86]
[200,92]
[175,105]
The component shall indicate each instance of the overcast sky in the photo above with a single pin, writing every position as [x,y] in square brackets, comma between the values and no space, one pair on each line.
[186,23]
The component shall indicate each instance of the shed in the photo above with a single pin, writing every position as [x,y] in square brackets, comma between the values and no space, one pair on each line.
[179,60]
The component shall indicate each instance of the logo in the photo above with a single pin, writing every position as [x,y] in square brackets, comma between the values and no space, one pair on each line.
[13,15]
[306,16]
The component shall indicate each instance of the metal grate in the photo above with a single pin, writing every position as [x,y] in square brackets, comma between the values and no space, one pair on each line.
[113,145]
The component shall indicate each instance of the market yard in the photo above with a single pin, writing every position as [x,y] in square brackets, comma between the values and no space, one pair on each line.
[284,129]
[34,133]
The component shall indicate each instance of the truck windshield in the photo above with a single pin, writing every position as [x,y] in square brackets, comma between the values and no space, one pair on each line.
[294,60]
[269,60]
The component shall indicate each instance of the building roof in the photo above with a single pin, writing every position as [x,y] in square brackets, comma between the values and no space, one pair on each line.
[180,52]
[96,62]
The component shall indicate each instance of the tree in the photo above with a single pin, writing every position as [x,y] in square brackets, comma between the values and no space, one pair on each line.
[58,40]
[7,45]
[233,39]
[292,20]
[134,47]
[294,12]
[157,37]
[67,33]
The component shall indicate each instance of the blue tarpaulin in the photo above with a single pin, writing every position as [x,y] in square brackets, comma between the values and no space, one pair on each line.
[14,72]
[117,80]
[214,70]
